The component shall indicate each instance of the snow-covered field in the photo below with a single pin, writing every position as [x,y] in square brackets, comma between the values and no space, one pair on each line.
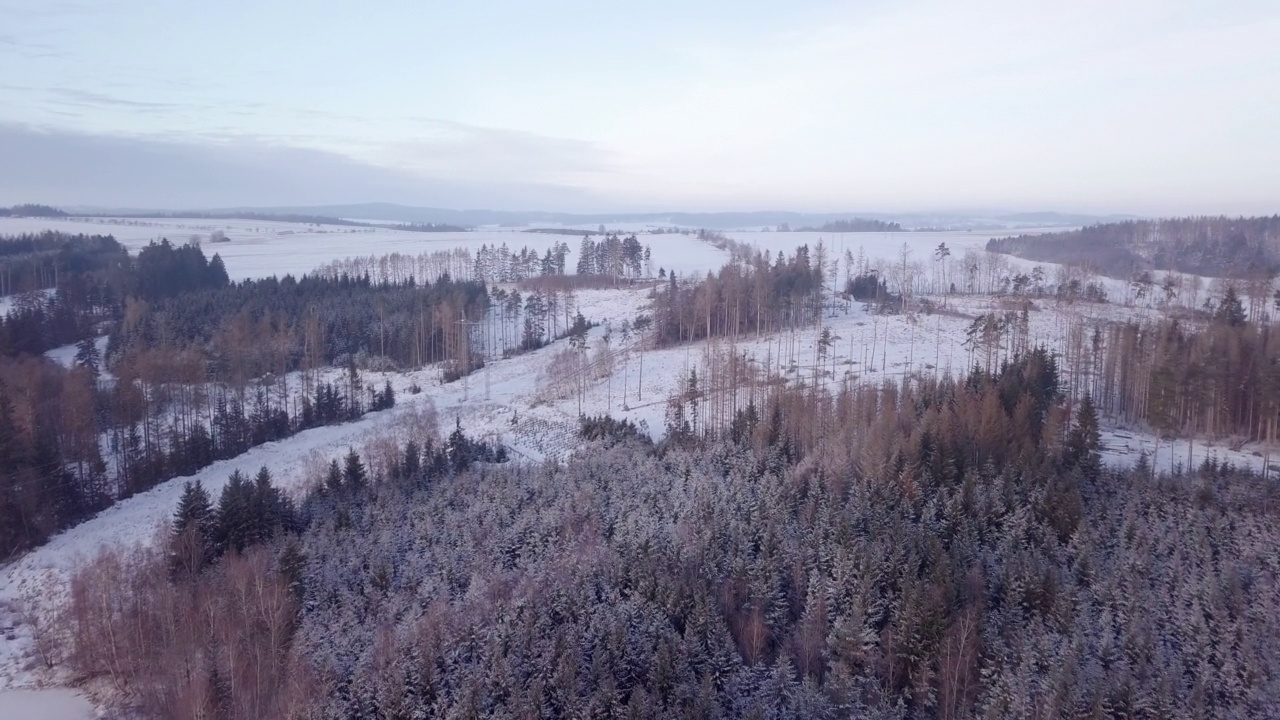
[260,248]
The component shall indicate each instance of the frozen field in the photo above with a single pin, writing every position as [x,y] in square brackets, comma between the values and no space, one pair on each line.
[261,249]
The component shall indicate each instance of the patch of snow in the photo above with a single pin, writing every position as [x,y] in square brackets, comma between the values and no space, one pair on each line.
[45,704]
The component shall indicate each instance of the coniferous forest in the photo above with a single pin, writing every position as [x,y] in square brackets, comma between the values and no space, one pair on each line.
[197,368]
[944,549]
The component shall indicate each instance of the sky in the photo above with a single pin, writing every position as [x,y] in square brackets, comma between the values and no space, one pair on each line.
[1142,106]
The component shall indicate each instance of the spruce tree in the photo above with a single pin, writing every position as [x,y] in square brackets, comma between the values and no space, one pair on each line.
[333,481]
[353,475]
[1084,441]
[1230,311]
[194,509]
[234,514]
[87,356]
[192,536]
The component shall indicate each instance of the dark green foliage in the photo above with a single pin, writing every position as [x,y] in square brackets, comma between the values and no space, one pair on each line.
[87,356]
[1230,310]
[166,271]
[611,430]
[333,479]
[869,287]
[234,523]
[463,451]
[192,539]
[248,513]
[353,473]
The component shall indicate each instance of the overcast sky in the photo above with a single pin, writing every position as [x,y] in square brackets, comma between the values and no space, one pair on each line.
[1133,106]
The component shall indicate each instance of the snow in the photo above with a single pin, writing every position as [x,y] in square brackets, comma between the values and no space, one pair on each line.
[47,704]
[260,248]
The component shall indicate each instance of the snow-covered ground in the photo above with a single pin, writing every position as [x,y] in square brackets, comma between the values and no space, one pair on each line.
[44,704]
[261,248]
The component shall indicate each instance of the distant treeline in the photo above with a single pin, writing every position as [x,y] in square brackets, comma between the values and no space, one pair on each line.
[849,226]
[1209,246]
[564,231]
[254,216]
[433,227]
[30,210]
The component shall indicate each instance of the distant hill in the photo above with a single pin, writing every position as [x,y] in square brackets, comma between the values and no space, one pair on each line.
[1209,246]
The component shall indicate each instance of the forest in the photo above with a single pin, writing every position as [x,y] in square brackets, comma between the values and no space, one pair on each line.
[949,548]
[196,369]
[1238,248]
[853,225]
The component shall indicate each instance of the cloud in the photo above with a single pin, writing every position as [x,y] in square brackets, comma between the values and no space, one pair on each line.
[67,168]
[469,151]
[92,99]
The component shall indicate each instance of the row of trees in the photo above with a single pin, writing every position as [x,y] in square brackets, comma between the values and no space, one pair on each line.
[614,255]
[761,295]
[498,264]
[1208,246]
[277,325]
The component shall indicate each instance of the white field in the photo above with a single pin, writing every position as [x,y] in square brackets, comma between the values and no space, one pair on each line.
[262,249]
[507,402]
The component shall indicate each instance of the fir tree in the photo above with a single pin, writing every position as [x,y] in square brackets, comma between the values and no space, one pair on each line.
[353,473]
[333,481]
